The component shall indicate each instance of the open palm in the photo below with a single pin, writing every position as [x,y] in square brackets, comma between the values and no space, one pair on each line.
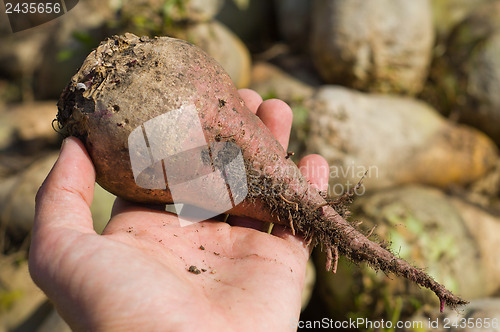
[145,272]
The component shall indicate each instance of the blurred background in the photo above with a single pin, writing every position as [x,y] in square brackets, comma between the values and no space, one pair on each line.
[406,91]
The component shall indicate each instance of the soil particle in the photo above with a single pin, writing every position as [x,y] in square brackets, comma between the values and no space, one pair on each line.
[194,269]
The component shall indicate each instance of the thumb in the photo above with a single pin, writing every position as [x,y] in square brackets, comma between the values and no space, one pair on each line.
[63,200]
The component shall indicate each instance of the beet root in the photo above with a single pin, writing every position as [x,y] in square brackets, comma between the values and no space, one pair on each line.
[128,81]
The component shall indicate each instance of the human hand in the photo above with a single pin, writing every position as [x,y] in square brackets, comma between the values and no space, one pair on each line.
[135,275]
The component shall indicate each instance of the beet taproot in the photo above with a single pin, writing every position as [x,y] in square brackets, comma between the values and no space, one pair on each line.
[128,82]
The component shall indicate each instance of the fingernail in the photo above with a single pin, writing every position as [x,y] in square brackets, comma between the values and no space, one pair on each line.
[64,143]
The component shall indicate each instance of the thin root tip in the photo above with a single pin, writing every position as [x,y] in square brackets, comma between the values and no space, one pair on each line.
[453,302]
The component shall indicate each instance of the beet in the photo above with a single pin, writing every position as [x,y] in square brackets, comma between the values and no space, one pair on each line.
[159,114]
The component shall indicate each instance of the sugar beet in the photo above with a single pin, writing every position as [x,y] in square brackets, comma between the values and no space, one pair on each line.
[128,81]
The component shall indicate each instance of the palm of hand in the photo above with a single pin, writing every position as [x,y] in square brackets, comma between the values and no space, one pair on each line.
[246,270]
